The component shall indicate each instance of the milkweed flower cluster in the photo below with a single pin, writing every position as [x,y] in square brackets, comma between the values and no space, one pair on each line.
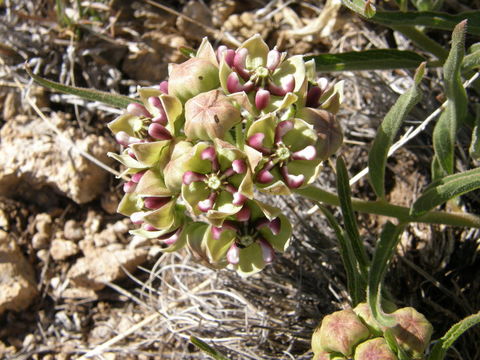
[198,145]
[354,334]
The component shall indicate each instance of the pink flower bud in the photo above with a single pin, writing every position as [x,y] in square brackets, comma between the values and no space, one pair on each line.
[171,238]
[208,203]
[256,142]
[210,155]
[159,132]
[262,99]
[313,96]
[413,331]
[122,138]
[374,349]
[288,86]
[138,110]
[233,254]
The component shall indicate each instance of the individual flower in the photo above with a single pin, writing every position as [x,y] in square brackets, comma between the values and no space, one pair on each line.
[327,128]
[153,120]
[285,154]
[262,73]
[210,115]
[196,75]
[218,181]
[247,240]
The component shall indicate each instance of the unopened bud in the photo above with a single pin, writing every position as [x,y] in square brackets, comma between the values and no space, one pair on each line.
[374,349]
[413,331]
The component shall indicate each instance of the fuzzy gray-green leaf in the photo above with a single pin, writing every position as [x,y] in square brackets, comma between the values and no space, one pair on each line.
[115,100]
[386,133]
[445,189]
[445,131]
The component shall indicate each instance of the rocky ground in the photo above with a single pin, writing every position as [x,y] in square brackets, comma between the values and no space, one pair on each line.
[72,281]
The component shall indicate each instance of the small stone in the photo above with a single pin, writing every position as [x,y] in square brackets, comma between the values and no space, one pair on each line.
[102,265]
[40,241]
[73,230]
[62,249]
[17,281]
[43,223]
[120,227]
[105,237]
[42,255]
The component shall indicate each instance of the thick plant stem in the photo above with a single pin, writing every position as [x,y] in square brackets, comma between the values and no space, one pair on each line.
[387,209]
[423,41]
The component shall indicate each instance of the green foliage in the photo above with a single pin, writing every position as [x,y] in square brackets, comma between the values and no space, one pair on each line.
[376,59]
[116,100]
[445,189]
[386,133]
[445,132]
[207,349]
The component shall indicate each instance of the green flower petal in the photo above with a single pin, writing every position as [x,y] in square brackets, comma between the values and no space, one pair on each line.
[174,110]
[127,160]
[292,66]
[217,248]
[147,92]
[162,218]
[193,194]
[152,184]
[251,260]
[333,98]
[309,168]
[151,153]
[257,52]
[206,51]
[265,125]
[300,136]
[129,204]
[126,122]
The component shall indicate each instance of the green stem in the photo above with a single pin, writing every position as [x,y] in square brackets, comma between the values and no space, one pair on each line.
[387,209]
[423,41]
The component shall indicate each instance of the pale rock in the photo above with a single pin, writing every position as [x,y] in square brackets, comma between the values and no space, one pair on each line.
[43,224]
[17,280]
[51,161]
[62,249]
[40,241]
[73,230]
[103,265]
[121,227]
[105,237]
[42,255]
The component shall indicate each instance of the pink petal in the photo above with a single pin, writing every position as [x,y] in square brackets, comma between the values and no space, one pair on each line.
[164,87]
[207,204]
[268,253]
[262,98]
[264,176]
[238,199]
[239,63]
[239,166]
[137,176]
[149,227]
[172,238]
[243,214]
[190,176]
[274,225]
[129,187]
[292,181]
[137,217]
[273,59]
[282,129]
[211,155]
[233,254]
[159,132]
[154,202]
[313,96]
[138,110]
[256,142]
[233,83]
[308,153]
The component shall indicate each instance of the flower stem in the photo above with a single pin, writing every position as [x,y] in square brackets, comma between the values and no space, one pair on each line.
[384,208]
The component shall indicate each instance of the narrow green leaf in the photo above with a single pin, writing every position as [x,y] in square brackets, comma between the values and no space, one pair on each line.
[355,282]
[445,189]
[430,19]
[386,133]
[442,345]
[445,131]
[116,100]
[471,61]
[376,59]
[351,227]
[384,251]
[207,349]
